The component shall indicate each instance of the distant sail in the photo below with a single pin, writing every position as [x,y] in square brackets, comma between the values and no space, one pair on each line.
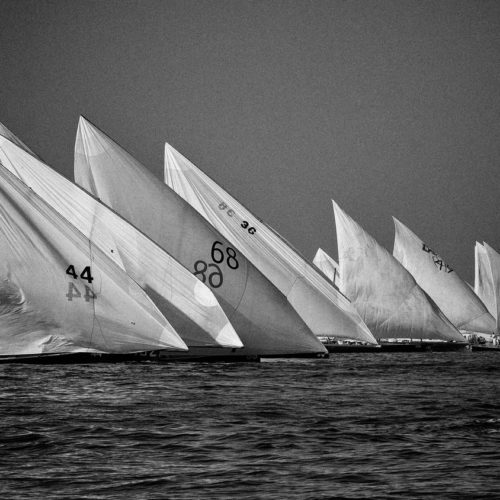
[385,294]
[452,295]
[188,304]
[487,279]
[322,307]
[5,132]
[260,314]
[58,294]
[484,286]
[327,266]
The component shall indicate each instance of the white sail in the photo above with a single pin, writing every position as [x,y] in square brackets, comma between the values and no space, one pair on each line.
[385,294]
[190,306]
[323,308]
[452,295]
[484,286]
[487,282]
[260,314]
[59,294]
[5,132]
[327,266]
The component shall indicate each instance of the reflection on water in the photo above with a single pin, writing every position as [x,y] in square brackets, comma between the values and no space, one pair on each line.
[393,425]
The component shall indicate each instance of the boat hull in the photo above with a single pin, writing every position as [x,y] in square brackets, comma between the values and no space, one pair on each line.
[422,346]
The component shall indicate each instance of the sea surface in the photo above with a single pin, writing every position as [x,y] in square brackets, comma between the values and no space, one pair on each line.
[374,425]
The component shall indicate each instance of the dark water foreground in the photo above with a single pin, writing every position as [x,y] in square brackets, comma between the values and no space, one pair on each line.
[395,425]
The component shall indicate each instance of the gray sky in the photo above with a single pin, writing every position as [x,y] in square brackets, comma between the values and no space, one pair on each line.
[390,108]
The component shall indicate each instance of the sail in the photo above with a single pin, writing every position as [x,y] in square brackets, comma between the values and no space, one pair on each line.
[327,266]
[5,132]
[59,294]
[385,294]
[260,314]
[452,295]
[487,283]
[322,307]
[484,286]
[189,305]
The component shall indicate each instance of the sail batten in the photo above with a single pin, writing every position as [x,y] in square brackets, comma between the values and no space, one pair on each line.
[327,266]
[259,313]
[323,308]
[387,297]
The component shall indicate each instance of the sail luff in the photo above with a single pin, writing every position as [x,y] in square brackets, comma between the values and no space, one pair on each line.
[323,308]
[5,132]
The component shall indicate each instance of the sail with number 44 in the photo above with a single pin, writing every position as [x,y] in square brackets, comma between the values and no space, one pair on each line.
[452,295]
[189,305]
[60,294]
[322,307]
[260,314]
[327,266]
[384,292]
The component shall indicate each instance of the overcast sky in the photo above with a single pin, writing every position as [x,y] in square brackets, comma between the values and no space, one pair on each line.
[390,108]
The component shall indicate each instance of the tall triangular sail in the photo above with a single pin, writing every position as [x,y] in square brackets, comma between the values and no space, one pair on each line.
[484,286]
[327,266]
[487,279]
[323,308]
[260,314]
[385,294]
[59,294]
[452,295]
[188,304]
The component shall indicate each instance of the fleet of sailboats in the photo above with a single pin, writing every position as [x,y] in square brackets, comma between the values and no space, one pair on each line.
[121,265]
[61,295]
[261,315]
[387,297]
[190,305]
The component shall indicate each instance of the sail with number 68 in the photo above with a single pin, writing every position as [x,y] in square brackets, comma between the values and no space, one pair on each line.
[260,314]
[322,307]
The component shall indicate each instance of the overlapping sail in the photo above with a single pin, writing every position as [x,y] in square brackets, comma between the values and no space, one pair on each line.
[327,266]
[260,314]
[325,311]
[385,294]
[452,295]
[59,294]
[487,279]
[5,132]
[188,304]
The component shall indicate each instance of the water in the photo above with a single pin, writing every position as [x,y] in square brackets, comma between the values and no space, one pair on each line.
[395,425]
